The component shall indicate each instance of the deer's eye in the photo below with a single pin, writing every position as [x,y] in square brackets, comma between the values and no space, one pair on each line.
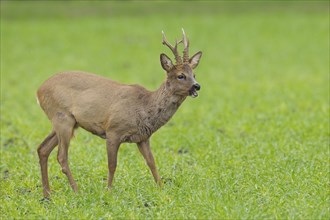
[181,77]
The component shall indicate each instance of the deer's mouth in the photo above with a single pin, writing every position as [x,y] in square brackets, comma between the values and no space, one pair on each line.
[193,93]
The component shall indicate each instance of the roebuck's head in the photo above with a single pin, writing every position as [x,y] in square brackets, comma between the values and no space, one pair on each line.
[180,76]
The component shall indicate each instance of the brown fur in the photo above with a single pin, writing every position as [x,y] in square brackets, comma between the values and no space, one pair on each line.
[116,112]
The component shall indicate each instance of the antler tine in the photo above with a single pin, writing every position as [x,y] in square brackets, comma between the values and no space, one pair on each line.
[186,48]
[173,49]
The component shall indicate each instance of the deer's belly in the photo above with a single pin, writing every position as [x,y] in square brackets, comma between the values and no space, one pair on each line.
[94,128]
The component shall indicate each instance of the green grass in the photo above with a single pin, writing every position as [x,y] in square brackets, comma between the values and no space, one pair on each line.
[253,145]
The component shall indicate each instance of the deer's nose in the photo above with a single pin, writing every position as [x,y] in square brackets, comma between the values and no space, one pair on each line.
[197,86]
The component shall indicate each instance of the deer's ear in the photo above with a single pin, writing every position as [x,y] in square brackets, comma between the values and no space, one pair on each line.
[194,60]
[166,62]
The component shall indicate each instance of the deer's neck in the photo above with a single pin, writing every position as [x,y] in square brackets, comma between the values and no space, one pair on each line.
[163,105]
[157,111]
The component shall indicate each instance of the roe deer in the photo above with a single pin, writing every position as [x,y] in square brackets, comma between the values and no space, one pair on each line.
[116,112]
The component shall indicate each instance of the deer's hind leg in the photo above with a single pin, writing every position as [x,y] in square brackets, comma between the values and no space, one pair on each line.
[44,150]
[64,125]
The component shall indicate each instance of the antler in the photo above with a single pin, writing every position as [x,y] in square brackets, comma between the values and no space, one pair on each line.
[173,49]
[186,48]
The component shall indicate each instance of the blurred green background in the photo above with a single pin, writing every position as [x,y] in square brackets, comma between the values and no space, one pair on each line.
[254,144]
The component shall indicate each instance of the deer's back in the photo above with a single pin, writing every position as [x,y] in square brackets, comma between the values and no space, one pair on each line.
[62,91]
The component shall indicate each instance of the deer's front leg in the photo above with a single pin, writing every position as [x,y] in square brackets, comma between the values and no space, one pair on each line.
[145,150]
[112,149]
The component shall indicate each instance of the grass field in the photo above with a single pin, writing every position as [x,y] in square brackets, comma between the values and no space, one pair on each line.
[253,145]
